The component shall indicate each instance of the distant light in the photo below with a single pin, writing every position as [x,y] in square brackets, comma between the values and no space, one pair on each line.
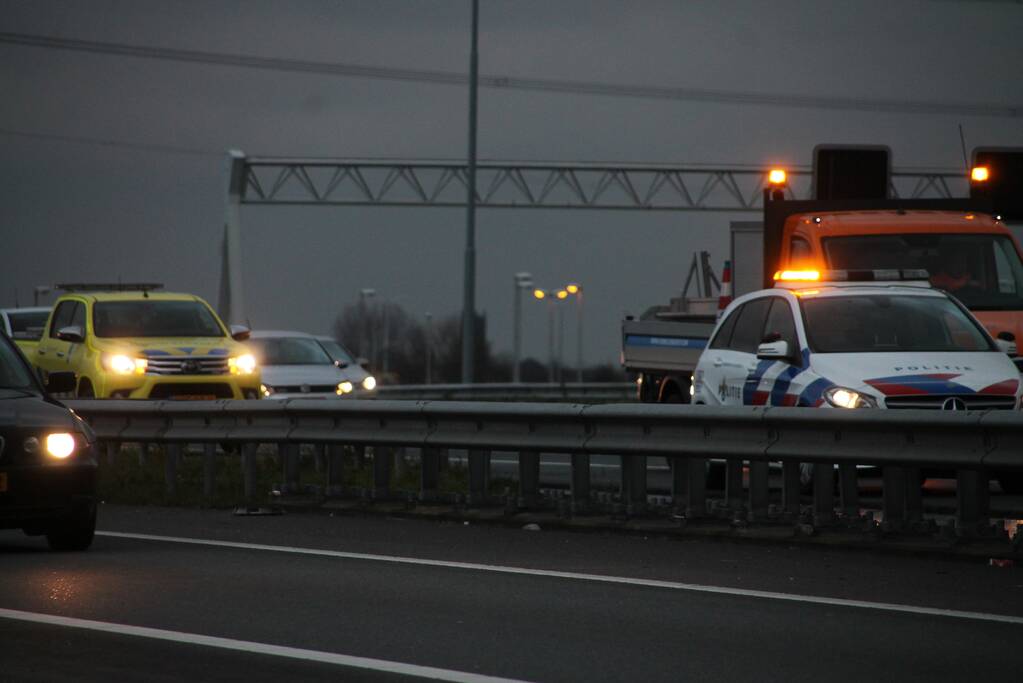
[969,216]
[573,289]
[562,294]
[776,176]
[979,174]
[539,294]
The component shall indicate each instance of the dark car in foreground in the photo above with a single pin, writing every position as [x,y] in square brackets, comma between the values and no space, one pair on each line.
[47,457]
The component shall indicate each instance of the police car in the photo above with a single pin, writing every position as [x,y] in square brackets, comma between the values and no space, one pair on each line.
[855,339]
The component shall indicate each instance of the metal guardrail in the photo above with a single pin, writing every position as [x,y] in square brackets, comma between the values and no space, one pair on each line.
[900,442]
[584,392]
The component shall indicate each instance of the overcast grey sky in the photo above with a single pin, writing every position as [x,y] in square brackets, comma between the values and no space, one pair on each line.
[77,211]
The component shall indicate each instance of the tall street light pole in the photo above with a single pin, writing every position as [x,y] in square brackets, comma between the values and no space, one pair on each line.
[368,323]
[540,295]
[561,295]
[429,348]
[522,281]
[469,293]
[577,291]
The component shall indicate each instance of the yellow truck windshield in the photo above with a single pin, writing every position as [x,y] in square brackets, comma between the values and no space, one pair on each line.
[981,270]
[154,318]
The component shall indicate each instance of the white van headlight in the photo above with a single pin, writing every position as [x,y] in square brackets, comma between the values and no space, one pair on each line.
[840,397]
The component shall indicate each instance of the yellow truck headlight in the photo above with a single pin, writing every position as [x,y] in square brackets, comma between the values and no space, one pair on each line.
[122,364]
[60,445]
[244,364]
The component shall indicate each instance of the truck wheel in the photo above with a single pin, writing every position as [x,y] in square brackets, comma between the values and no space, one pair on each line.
[673,393]
[74,533]
[85,389]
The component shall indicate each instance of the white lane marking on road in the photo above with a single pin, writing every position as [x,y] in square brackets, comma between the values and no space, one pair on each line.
[384,665]
[600,578]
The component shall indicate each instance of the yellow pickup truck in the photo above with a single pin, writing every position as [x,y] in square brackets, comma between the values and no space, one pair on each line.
[128,341]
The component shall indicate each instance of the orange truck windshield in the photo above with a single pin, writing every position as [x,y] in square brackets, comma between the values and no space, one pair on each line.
[981,270]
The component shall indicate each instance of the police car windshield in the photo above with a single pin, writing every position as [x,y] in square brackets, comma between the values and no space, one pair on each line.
[889,323]
[982,271]
[154,319]
[289,351]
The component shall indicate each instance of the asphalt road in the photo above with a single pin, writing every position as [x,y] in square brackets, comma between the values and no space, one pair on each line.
[176,594]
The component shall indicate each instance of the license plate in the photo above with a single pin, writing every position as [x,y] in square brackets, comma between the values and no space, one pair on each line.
[194,397]
[3,482]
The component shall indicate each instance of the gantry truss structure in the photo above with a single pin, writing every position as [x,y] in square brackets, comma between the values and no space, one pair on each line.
[513,185]
[553,185]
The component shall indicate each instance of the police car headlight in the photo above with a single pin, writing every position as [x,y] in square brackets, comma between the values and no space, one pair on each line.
[344,388]
[370,383]
[266,390]
[121,364]
[840,397]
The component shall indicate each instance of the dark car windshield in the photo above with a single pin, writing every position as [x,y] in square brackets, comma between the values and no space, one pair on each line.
[883,322]
[982,271]
[289,351]
[27,324]
[154,319]
[14,373]
[337,352]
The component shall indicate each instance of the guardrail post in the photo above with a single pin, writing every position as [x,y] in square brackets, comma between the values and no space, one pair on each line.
[209,471]
[580,482]
[696,491]
[290,465]
[894,499]
[972,501]
[479,476]
[733,485]
[679,482]
[249,471]
[849,490]
[791,488]
[335,469]
[112,448]
[429,477]
[758,490]
[823,494]
[382,461]
[634,483]
[529,479]
[914,495]
[170,468]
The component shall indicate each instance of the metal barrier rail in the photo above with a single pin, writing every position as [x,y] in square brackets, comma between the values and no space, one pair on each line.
[509,391]
[900,442]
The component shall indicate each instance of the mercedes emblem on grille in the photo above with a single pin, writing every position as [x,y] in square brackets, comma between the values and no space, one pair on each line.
[954,403]
[306,388]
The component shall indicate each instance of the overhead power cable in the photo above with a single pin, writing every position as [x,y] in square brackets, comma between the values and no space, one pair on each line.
[963,108]
[120,144]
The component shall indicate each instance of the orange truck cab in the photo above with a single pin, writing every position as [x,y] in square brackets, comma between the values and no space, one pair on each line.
[965,248]
[970,254]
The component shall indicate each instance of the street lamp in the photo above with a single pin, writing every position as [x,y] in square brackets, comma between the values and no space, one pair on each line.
[577,291]
[541,295]
[522,281]
[369,333]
